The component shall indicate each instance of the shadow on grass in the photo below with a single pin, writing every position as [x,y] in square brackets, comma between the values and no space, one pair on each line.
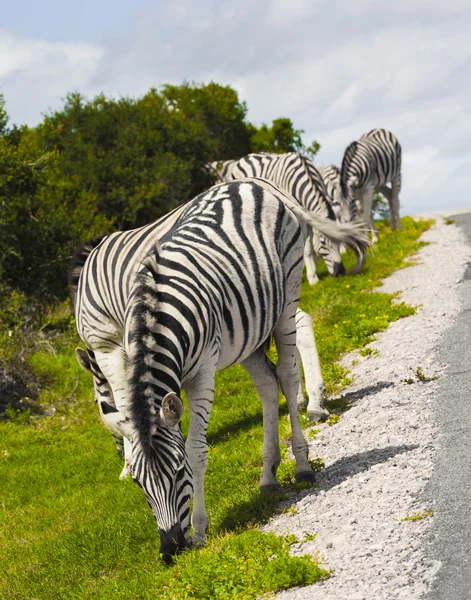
[244,424]
[263,506]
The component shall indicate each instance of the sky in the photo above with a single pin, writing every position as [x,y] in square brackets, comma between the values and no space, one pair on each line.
[337,68]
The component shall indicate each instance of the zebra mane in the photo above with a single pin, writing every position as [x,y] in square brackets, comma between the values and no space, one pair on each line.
[78,262]
[144,404]
[346,163]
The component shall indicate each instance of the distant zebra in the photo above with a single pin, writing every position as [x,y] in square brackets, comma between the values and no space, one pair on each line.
[331,177]
[369,164]
[297,175]
[160,317]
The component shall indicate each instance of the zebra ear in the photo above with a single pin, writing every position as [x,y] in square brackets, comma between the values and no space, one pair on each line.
[115,421]
[82,359]
[172,410]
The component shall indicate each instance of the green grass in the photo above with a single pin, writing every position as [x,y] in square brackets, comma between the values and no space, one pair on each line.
[69,529]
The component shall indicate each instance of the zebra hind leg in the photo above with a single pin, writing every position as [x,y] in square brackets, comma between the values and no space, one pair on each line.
[367,201]
[307,353]
[288,375]
[87,361]
[262,373]
[310,259]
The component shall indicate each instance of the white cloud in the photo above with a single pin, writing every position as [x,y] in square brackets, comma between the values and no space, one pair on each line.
[35,74]
[336,68]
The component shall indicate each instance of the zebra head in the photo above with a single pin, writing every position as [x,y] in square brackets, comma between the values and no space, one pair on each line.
[159,465]
[329,251]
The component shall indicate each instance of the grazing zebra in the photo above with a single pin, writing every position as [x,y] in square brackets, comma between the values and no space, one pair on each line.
[369,164]
[297,175]
[160,312]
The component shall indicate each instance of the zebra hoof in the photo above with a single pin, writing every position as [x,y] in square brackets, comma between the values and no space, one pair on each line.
[318,414]
[270,488]
[306,476]
[198,541]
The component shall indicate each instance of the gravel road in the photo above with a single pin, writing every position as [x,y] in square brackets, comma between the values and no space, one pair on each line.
[380,457]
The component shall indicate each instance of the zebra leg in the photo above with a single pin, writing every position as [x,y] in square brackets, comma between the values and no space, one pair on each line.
[301,400]
[394,204]
[288,375]
[87,361]
[307,353]
[112,365]
[262,373]
[367,201]
[310,260]
[200,393]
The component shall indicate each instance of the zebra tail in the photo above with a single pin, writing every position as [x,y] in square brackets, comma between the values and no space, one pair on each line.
[352,235]
[78,262]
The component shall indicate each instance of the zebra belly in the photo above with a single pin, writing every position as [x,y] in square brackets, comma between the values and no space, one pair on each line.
[239,346]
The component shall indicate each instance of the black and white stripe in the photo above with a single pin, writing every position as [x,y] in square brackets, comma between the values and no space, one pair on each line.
[163,307]
[296,174]
[368,165]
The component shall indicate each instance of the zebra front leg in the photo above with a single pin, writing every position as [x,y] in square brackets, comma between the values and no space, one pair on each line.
[288,375]
[307,352]
[200,393]
[310,259]
[262,373]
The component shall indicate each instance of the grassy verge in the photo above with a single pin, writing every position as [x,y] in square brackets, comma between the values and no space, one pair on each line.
[70,529]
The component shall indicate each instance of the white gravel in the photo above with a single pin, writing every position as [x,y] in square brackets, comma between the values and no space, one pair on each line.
[379,457]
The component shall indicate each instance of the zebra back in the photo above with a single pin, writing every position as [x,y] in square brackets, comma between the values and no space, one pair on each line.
[292,171]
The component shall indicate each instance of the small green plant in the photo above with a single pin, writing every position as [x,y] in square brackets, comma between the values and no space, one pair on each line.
[317,464]
[333,419]
[312,434]
[422,377]
[291,539]
[421,515]
[292,510]
[449,221]
[366,351]
[305,421]
[308,537]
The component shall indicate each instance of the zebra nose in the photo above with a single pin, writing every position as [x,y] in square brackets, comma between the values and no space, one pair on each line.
[339,269]
[172,542]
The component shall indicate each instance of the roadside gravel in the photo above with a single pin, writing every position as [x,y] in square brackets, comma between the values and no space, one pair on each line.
[379,457]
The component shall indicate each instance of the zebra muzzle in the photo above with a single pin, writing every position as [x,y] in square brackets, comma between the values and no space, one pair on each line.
[338,269]
[172,542]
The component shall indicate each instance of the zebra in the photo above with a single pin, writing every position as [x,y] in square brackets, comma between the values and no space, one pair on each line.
[296,174]
[160,313]
[331,177]
[369,164]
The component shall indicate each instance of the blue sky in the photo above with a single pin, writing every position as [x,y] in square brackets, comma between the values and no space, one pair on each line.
[337,68]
